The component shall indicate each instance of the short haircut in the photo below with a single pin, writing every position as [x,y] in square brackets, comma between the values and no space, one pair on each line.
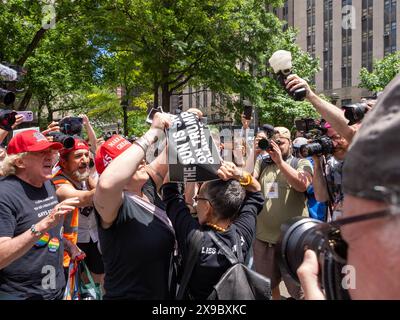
[226,197]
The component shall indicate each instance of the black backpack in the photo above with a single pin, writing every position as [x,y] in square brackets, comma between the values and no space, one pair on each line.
[237,283]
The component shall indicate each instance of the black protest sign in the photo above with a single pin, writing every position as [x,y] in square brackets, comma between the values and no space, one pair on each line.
[192,154]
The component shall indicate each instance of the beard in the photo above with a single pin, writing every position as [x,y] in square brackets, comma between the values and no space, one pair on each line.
[81,176]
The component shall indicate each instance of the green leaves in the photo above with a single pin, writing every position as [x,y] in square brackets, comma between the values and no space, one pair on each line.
[383,72]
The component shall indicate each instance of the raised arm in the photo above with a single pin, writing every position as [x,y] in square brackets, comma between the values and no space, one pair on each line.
[90,132]
[109,192]
[328,111]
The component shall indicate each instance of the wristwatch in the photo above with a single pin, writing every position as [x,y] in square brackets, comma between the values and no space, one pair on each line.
[35,232]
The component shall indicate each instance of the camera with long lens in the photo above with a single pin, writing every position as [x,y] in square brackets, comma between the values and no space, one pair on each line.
[71,126]
[355,112]
[67,141]
[319,147]
[7,75]
[7,119]
[301,234]
[281,62]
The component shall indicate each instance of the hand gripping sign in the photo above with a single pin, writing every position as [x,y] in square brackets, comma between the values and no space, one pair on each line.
[192,153]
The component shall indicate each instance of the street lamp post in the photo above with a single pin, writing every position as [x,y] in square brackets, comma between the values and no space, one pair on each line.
[119,122]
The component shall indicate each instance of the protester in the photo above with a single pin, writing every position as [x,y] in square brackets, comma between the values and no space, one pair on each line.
[283,180]
[136,240]
[31,245]
[372,196]
[224,208]
[72,180]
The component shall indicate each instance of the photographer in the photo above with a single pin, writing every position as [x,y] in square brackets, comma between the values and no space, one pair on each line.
[327,179]
[284,181]
[371,222]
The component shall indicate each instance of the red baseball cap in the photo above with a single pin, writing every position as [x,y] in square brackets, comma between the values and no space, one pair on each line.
[109,150]
[31,141]
[78,145]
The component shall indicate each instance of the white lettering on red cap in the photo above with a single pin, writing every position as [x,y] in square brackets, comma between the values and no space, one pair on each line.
[123,144]
[39,136]
[114,141]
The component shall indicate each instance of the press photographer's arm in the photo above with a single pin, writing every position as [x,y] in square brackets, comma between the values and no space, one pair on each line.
[328,111]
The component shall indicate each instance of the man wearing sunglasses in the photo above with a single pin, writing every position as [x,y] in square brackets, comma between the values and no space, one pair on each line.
[371,223]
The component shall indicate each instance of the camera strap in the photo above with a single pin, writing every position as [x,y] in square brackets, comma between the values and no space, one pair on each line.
[330,201]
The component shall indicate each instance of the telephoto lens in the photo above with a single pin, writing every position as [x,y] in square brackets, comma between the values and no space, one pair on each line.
[319,147]
[300,234]
[67,141]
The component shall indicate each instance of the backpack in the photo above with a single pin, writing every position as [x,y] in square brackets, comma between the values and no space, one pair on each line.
[237,283]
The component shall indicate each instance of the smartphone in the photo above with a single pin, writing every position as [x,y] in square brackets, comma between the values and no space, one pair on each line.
[28,115]
[151,114]
[248,112]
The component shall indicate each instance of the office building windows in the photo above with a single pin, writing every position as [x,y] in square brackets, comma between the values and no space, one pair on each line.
[390,26]
[328,29]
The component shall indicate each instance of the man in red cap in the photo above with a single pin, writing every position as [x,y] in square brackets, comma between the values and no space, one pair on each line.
[72,180]
[31,218]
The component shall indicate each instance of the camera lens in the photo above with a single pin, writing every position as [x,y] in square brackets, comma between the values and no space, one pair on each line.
[264,144]
[297,236]
[355,112]
[7,97]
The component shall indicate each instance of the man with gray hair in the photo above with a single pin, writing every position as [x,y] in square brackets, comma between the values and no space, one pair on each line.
[31,241]
[371,223]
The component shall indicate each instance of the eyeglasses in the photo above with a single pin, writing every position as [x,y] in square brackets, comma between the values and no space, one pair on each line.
[197,198]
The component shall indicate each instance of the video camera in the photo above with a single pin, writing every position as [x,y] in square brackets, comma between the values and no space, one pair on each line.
[71,126]
[67,141]
[9,74]
[301,234]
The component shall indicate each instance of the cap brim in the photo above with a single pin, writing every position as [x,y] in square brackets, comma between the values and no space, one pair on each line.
[45,145]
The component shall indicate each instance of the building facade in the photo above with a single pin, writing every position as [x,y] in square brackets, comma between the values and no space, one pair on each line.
[345,35]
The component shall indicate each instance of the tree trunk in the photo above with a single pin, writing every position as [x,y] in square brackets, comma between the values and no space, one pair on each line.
[23,105]
[50,113]
[166,97]
[39,115]
[32,46]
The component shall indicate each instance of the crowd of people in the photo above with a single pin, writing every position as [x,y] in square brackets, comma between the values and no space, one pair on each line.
[108,204]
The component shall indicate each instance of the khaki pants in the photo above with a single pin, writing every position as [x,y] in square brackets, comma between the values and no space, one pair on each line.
[266,263]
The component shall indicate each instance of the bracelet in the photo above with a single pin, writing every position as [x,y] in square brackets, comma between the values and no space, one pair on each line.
[246,179]
[35,232]
[142,143]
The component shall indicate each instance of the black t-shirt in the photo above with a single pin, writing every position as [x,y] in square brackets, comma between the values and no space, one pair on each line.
[38,272]
[136,251]
[211,264]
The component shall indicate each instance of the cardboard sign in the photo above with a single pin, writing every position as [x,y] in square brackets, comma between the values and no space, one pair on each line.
[192,154]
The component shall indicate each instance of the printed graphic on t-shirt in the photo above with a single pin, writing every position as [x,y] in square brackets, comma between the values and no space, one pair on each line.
[43,207]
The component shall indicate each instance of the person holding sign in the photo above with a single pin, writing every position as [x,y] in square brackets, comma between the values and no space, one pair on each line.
[228,207]
[136,237]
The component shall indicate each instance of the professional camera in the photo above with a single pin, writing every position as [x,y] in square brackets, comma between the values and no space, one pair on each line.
[67,141]
[71,126]
[355,112]
[281,62]
[301,234]
[7,119]
[321,146]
